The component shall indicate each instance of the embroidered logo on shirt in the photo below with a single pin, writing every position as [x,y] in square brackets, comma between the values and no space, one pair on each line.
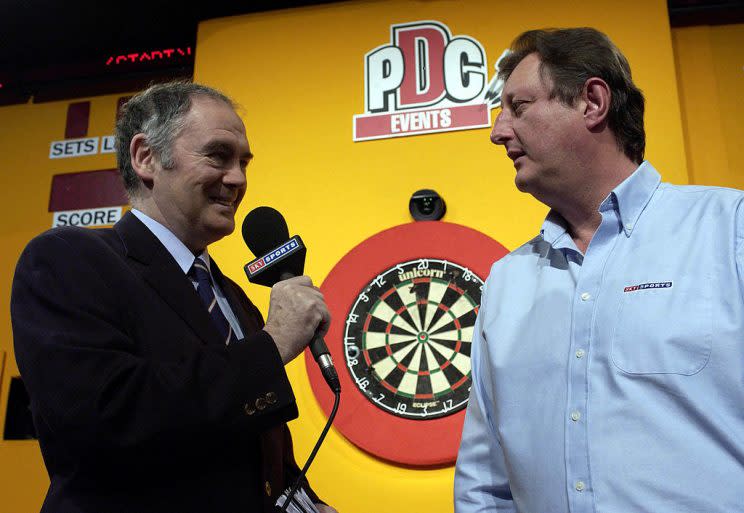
[643,286]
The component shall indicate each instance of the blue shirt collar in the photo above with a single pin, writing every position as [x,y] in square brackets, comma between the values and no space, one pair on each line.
[555,231]
[633,195]
[183,256]
[629,198]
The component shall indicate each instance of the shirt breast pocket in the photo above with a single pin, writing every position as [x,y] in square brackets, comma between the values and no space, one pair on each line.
[665,330]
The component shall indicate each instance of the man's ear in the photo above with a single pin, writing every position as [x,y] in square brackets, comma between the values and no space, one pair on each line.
[596,96]
[143,159]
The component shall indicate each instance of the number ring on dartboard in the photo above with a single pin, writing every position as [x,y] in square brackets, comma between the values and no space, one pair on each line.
[414,322]
[424,434]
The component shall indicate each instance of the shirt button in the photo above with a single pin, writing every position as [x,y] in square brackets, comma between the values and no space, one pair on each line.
[585,296]
[580,486]
[575,415]
[580,353]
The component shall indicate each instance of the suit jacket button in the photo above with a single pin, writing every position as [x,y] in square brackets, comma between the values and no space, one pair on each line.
[271,398]
[267,488]
[248,409]
[260,403]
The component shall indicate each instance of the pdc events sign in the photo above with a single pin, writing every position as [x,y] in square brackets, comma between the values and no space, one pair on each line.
[425,81]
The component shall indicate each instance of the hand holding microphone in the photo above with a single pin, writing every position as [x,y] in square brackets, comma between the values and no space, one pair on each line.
[297,312]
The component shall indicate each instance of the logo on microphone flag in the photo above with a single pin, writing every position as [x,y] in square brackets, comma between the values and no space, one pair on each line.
[286,249]
[426,81]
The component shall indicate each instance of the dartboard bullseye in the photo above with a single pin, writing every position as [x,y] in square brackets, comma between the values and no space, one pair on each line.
[408,334]
[403,305]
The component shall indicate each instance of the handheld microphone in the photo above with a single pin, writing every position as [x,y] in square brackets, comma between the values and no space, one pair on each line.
[280,257]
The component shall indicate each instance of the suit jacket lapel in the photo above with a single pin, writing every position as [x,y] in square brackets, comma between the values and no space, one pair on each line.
[163,274]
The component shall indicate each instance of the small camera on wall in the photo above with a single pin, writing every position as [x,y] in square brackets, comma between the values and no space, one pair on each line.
[427,205]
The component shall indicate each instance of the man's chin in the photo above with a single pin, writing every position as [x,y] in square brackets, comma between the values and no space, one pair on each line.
[227,227]
[221,227]
[522,184]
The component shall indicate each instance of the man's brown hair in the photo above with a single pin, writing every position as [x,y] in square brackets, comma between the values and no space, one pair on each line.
[572,56]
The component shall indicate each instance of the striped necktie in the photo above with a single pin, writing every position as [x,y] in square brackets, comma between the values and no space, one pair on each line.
[200,273]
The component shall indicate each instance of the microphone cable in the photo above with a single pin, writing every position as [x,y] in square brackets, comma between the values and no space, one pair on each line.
[296,486]
[265,233]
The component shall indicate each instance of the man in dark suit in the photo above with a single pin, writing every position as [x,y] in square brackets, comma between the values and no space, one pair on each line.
[154,384]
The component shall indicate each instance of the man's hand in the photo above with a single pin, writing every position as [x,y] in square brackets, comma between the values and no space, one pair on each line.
[296,311]
[324,508]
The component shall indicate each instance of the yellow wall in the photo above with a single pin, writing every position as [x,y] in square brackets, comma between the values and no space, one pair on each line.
[298,75]
[710,71]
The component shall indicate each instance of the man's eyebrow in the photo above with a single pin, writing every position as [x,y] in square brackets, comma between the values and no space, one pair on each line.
[507,98]
[216,146]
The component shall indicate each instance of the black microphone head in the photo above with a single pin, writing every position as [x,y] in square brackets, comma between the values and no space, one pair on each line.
[277,256]
[264,228]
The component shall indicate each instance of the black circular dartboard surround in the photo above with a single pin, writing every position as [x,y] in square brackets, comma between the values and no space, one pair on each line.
[408,349]
[422,436]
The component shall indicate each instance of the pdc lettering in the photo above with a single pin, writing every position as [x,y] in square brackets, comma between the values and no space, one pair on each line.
[423,66]
[424,81]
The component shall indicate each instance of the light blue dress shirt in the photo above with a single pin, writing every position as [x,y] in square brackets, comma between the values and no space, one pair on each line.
[613,382]
[185,259]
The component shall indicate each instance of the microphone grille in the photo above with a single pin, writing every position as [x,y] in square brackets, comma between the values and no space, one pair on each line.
[264,228]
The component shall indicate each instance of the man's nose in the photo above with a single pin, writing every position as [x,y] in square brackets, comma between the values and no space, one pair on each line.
[235,175]
[502,129]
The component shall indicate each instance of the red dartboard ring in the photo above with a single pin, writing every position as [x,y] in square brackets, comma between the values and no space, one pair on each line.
[381,428]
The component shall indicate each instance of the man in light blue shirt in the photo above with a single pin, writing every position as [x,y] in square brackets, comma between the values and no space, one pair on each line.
[608,355]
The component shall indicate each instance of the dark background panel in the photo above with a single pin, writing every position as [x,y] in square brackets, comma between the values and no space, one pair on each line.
[52,50]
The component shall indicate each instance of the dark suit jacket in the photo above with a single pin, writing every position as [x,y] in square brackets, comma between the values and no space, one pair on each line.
[138,405]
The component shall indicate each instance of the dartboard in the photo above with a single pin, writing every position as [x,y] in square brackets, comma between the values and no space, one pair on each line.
[408,334]
[403,305]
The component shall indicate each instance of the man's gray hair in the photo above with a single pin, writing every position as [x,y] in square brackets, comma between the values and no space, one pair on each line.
[159,113]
